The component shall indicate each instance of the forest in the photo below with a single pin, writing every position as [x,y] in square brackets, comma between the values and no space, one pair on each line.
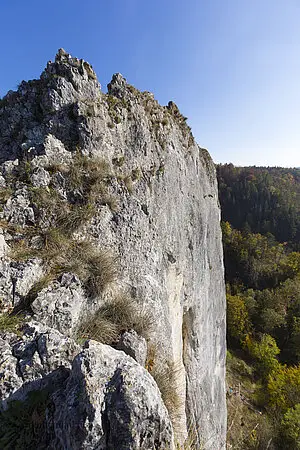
[261,239]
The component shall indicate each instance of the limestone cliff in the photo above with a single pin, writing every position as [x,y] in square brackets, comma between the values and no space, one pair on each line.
[109,224]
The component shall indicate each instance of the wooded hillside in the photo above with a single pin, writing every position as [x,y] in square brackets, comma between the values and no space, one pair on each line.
[261,238]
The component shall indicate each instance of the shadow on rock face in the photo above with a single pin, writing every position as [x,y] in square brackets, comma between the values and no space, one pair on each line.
[26,416]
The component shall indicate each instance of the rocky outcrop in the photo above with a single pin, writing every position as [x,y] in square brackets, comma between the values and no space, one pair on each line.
[104,399]
[107,197]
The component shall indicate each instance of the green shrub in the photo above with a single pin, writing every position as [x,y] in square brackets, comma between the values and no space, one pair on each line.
[237,318]
[265,353]
[284,388]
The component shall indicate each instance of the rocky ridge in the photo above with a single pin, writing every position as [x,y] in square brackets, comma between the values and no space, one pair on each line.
[111,276]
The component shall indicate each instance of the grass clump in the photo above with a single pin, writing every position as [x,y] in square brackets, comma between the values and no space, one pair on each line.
[60,253]
[74,217]
[10,323]
[5,194]
[94,267]
[113,318]
[52,240]
[167,375]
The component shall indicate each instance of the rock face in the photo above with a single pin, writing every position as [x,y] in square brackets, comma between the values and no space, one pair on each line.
[156,210]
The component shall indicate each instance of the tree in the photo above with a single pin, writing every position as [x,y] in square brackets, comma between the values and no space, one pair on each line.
[291,426]
[237,318]
[265,353]
[284,388]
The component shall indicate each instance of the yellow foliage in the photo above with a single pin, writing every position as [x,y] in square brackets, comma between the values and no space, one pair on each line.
[284,387]
[237,317]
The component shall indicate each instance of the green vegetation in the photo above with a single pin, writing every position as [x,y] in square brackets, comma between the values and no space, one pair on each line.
[10,323]
[262,200]
[262,263]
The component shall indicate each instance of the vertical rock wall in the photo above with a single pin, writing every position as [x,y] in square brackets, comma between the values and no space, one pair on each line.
[165,230]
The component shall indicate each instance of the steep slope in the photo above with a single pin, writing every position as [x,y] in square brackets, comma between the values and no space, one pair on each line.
[115,183]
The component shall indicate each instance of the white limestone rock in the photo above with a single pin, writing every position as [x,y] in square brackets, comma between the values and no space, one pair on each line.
[165,231]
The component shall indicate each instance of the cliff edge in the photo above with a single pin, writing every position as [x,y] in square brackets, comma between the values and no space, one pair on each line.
[112,325]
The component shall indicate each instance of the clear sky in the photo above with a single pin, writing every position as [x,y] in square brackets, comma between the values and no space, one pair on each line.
[232,66]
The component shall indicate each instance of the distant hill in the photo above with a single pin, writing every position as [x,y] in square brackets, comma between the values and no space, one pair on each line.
[261,240]
[261,200]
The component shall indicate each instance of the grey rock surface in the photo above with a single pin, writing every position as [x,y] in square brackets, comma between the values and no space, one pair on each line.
[120,407]
[165,229]
[26,360]
[104,400]
[60,304]
[133,345]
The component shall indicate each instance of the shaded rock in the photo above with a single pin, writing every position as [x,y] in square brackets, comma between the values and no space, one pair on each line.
[110,402]
[30,358]
[133,345]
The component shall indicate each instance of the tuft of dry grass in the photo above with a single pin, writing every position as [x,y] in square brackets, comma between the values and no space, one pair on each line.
[167,375]
[95,268]
[46,199]
[74,217]
[192,440]
[113,318]
[85,172]
[99,329]
[57,248]
[5,194]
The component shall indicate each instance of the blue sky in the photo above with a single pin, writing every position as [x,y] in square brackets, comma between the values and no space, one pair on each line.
[232,66]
